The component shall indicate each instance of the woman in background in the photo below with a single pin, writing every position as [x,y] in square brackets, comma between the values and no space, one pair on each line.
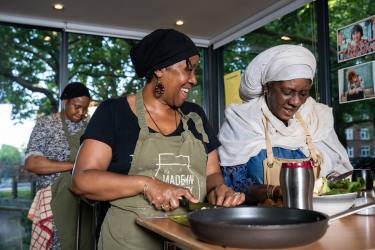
[54,144]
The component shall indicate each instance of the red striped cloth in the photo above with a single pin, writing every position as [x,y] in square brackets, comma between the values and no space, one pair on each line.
[41,215]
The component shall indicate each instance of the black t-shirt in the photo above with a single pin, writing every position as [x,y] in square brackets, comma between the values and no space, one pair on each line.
[115,124]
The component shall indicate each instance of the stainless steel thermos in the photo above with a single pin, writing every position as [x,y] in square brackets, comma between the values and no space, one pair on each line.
[297,184]
[366,195]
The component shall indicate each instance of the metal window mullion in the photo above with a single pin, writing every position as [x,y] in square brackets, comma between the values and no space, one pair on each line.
[323,52]
[212,88]
[63,70]
[220,85]
[206,93]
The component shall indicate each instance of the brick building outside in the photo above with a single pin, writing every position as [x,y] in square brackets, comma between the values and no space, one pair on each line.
[360,141]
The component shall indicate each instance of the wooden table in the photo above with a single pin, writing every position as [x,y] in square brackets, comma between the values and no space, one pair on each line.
[354,232]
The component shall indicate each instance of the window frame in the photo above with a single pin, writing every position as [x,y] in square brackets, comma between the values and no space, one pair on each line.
[364,133]
[365,148]
[350,151]
[349,134]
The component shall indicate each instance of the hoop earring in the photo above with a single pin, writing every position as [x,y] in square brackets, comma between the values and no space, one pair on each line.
[265,93]
[159,88]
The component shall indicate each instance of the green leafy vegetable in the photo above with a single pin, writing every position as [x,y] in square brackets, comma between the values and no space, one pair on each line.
[325,188]
[337,191]
[358,185]
[345,187]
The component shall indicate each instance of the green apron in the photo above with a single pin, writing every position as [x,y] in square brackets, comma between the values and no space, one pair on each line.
[179,160]
[64,202]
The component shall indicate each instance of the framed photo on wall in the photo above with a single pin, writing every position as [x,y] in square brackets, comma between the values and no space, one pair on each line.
[357,83]
[356,39]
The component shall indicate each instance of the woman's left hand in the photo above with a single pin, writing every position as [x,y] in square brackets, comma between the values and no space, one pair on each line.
[223,195]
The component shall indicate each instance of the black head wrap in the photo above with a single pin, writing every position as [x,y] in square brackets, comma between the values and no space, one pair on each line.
[73,90]
[160,49]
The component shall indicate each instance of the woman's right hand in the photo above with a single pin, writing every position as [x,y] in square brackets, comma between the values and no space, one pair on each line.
[277,193]
[165,196]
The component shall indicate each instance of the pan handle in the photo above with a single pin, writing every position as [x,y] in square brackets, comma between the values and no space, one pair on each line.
[351,211]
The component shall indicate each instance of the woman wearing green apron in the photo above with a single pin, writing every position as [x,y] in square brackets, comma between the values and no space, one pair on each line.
[51,153]
[277,123]
[145,151]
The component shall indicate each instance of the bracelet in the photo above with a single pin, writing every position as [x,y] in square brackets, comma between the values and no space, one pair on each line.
[144,191]
[273,190]
[209,191]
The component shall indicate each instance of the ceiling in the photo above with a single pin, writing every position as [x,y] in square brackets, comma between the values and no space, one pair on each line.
[204,19]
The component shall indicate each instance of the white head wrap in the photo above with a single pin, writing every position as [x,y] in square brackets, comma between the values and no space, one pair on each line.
[243,136]
[280,63]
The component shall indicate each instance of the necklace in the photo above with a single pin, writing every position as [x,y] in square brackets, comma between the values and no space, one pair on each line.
[175,118]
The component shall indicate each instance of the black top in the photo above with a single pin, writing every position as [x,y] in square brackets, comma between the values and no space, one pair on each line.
[115,124]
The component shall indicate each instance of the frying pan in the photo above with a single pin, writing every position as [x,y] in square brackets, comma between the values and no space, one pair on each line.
[262,227]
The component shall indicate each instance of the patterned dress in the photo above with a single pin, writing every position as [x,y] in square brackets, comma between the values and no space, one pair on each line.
[48,140]
[363,48]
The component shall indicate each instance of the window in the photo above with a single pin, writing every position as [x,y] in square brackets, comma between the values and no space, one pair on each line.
[285,30]
[29,89]
[365,135]
[105,66]
[350,152]
[349,134]
[341,14]
[365,150]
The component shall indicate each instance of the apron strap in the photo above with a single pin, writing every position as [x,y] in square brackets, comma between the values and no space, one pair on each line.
[308,137]
[141,111]
[197,121]
[65,127]
[270,158]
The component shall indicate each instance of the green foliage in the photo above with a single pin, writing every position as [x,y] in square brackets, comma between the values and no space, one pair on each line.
[28,69]
[30,62]
[104,64]
[9,153]
[21,194]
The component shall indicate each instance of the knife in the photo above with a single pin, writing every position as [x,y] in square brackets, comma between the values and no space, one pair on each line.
[340,177]
[197,206]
